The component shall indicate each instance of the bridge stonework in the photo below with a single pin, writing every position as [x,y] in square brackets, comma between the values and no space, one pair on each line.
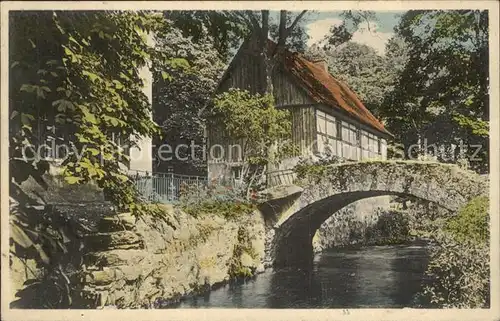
[290,240]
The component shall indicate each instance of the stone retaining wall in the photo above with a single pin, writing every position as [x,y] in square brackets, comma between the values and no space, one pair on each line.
[140,263]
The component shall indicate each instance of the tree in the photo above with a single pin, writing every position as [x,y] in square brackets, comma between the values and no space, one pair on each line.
[179,99]
[362,69]
[296,41]
[226,28]
[396,53]
[74,78]
[441,96]
[458,274]
[342,33]
[253,121]
[79,76]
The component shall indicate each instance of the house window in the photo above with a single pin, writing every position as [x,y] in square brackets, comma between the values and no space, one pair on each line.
[236,172]
[371,145]
[326,126]
[350,134]
[350,141]
[383,148]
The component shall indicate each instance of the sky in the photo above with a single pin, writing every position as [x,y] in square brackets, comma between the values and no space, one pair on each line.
[381,29]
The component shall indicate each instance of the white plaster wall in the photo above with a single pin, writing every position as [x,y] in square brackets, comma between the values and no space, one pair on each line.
[141,157]
[384,149]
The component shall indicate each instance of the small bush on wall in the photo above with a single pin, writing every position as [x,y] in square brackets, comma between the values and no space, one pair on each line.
[227,201]
[313,169]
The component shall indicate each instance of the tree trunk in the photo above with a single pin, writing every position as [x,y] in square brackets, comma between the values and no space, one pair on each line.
[269,59]
[267,65]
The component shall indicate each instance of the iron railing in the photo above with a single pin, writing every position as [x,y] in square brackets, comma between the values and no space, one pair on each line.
[166,187]
[281,177]
[163,187]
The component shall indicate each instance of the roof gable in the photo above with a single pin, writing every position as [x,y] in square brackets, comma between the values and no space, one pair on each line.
[322,87]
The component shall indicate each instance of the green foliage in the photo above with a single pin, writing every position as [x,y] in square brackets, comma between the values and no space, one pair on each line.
[396,54]
[458,275]
[442,92]
[471,222]
[392,227]
[342,33]
[75,79]
[243,246]
[257,125]
[226,28]
[83,84]
[252,118]
[54,242]
[226,201]
[298,37]
[226,209]
[180,99]
[365,71]
[309,170]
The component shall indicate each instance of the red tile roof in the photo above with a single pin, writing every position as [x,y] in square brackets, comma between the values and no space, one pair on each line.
[322,87]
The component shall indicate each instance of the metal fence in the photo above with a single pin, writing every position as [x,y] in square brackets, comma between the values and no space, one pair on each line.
[163,187]
[166,187]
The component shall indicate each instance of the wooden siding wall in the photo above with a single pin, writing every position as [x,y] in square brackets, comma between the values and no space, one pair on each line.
[288,93]
[217,136]
[303,128]
[245,72]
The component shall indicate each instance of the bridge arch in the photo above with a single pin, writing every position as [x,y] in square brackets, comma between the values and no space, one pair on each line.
[444,184]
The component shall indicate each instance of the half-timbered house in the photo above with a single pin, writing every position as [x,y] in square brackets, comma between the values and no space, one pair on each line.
[326,115]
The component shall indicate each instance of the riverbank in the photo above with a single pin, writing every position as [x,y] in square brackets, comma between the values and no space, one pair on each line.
[356,226]
[159,261]
[389,228]
[368,277]
[204,293]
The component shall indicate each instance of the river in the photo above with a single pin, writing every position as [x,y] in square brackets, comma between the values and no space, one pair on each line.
[368,277]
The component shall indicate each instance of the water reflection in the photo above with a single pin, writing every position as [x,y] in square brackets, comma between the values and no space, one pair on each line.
[379,276]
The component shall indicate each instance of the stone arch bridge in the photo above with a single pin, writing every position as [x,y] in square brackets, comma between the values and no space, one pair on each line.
[290,242]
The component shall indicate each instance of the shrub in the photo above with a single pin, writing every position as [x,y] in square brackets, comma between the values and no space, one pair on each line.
[458,275]
[227,201]
[392,227]
[458,271]
[244,245]
[308,168]
[472,222]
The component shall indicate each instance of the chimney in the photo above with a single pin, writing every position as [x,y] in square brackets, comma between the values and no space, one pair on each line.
[321,62]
